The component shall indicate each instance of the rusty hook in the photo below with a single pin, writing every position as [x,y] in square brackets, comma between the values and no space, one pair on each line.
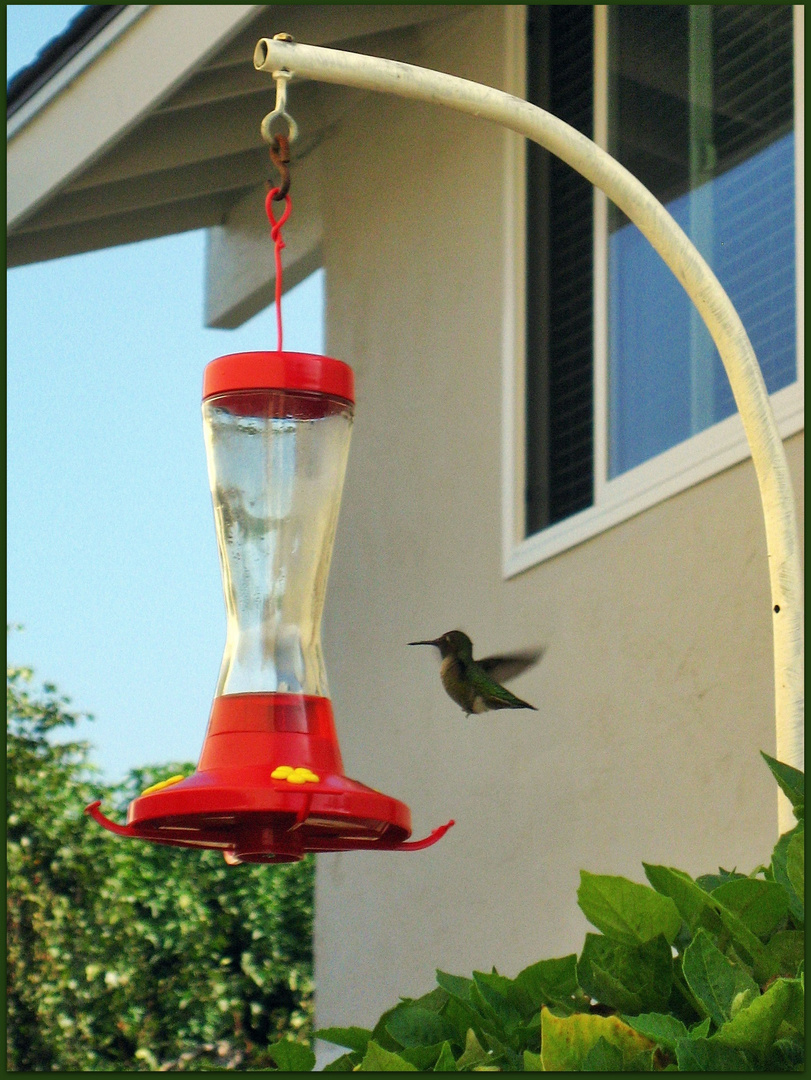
[280,156]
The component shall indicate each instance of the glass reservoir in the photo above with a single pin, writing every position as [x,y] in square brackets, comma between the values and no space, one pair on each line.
[276,464]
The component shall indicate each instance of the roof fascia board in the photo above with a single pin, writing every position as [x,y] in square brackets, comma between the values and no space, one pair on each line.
[74,67]
[130,74]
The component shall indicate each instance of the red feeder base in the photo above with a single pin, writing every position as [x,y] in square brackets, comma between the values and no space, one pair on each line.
[269,787]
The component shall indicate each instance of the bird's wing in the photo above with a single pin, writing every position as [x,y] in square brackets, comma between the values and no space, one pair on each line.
[502,668]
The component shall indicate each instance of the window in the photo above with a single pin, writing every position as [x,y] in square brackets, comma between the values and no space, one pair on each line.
[626,398]
[702,112]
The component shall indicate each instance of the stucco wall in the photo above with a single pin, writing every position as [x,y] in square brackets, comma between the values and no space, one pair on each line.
[656,692]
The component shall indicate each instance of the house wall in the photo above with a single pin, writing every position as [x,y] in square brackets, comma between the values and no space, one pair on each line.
[656,693]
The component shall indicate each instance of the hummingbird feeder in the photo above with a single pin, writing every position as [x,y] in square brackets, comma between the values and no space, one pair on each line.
[269,786]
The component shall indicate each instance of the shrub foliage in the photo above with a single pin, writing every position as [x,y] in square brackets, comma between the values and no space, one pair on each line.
[700,975]
[125,955]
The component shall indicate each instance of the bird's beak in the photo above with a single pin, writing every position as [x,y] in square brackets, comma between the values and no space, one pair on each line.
[436,643]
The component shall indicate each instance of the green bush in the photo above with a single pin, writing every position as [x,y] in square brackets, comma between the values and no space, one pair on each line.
[130,956]
[698,976]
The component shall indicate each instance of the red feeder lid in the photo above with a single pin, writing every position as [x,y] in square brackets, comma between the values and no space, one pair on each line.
[306,372]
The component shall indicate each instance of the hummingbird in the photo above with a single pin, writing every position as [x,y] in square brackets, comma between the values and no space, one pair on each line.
[476,684]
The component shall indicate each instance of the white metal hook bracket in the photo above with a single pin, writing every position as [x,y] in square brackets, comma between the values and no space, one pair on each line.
[282,77]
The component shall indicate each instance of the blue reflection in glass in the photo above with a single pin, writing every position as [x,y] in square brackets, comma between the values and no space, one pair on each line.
[666,379]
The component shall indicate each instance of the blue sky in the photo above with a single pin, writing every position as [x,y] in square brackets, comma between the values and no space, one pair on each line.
[112,558]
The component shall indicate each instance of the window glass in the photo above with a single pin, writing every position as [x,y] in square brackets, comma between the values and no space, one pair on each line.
[700,110]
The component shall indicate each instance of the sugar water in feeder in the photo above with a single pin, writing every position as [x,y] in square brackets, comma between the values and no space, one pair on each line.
[269,785]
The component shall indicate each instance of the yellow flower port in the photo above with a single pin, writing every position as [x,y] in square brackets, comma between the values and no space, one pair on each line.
[301,775]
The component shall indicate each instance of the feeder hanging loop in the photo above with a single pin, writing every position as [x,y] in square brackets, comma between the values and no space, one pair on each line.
[276,236]
[280,156]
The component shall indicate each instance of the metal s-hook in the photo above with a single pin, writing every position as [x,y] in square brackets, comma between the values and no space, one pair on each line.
[280,156]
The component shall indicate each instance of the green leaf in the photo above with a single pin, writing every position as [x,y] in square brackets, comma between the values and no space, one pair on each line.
[456,985]
[474,1054]
[786,1055]
[380,1033]
[708,882]
[701,909]
[528,1034]
[412,1025]
[550,982]
[690,899]
[355,1038]
[795,865]
[423,1058]
[510,990]
[487,1017]
[779,869]
[700,1030]
[507,1058]
[379,1060]
[292,1056]
[760,905]
[462,1018]
[662,1028]
[603,1057]
[795,1016]
[507,1003]
[786,950]
[345,1063]
[707,1055]
[435,1000]
[719,986]
[629,978]
[532,1062]
[754,1027]
[626,911]
[791,780]
[445,1062]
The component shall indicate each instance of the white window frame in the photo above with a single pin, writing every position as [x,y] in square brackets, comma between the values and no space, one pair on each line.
[690,462]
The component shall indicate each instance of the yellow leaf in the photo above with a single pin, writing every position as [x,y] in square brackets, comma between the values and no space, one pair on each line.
[566,1040]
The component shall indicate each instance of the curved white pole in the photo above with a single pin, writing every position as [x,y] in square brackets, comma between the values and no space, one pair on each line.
[701,285]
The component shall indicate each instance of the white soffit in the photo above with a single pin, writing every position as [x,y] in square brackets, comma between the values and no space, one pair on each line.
[132,76]
[153,127]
